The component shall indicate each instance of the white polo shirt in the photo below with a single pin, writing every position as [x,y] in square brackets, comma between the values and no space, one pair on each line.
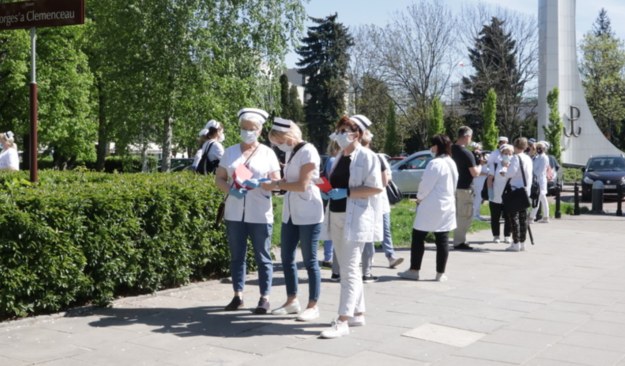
[256,206]
[9,159]
[304,208]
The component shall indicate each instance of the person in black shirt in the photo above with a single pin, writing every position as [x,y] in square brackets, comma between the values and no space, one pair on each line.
[467,170]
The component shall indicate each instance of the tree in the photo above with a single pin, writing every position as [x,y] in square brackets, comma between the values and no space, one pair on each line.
[494,61]
[415,56]
[491,132]
[553,132]
[324,60]
[391,144]
[291,106]
[602,70]
[436,125]
[373,102]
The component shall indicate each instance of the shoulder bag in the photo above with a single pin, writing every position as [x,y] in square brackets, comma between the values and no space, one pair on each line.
[517,199]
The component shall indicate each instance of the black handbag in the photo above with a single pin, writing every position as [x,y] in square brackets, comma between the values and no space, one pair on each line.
[393,193]
[517,199]
[484,191]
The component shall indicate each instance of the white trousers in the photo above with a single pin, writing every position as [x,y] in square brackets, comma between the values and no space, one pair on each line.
[542,201]
[349,254]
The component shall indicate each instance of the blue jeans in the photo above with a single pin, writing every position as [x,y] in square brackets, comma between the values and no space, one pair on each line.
[387,246]
[308,237]
[327,250]
[260,235]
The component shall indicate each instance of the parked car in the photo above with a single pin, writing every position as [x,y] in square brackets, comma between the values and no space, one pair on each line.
[407,172]
[609,169]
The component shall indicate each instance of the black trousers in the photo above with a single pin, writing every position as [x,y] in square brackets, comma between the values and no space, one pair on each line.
[496,211]
[518,224]
[418,248]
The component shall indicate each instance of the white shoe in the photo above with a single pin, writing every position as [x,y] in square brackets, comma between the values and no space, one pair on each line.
[496,240]
[292,308]
[409,274]
[357,321]
[507,240]
[308,314]
[514,247]
[336,330]
[394,262]
[522,247]
[440,277]
[544,220]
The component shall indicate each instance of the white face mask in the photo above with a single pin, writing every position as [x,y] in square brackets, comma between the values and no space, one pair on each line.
[505,158]
[221,137]
[344,139]
[248,137]
[285,147]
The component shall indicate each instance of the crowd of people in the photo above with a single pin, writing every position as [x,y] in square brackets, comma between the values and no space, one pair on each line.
[349,211]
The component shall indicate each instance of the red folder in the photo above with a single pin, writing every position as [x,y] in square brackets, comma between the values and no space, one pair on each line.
[324,185]
[240,175]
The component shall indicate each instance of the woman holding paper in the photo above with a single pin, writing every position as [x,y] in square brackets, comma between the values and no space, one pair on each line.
[248,211]
[352,217]
[302,214]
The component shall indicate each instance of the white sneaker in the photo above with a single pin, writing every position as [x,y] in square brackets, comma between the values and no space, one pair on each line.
[357,321]
[394,262]
[308,314]
[496,240]
[514,247]
[507,240]
[544,220]
[409,274]
[440,277]
[292,308]
[336,330]
[522,247]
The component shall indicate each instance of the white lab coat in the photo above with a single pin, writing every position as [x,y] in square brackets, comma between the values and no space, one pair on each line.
[541,162]
[437,192]
[363,216]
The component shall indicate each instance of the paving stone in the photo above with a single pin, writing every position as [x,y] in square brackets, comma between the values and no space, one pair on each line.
[413,348]
[558,316]
[542,326]
[290,356]
[341,347]
[581,355]
[598,341]
[603,327]
[445,335]
[458,360]
[211,355]
[524,339]
[374,358]
[497,352]
[548,362]
[38,345]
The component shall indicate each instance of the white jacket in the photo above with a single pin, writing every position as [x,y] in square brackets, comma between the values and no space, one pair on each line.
[437,192]
[363,222]
[541,162]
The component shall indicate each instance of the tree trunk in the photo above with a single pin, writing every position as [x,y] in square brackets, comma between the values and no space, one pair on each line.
[166,158]
[103,144]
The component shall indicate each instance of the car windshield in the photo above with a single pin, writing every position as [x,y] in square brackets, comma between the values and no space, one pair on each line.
[606,164]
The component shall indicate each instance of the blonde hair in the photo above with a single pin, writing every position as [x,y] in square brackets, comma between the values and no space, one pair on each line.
[294,133]
[366,138]
[333,148]
[6,140]
[259,126]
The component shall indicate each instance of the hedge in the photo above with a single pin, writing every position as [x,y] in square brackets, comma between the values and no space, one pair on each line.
[81,237]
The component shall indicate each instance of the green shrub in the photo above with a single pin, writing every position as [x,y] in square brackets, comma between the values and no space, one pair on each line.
[79,237]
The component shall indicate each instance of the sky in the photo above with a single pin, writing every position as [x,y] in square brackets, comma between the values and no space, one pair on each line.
[354,13]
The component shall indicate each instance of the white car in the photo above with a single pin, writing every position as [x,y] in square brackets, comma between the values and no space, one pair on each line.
[407,172]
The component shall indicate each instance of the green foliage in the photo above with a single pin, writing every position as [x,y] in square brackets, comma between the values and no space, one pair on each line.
[80,237]
[494,59]
[553,132]
[289,100]
[491,132]
[324,61]
[373,101]
[602,70]
[392,144]
[436,125]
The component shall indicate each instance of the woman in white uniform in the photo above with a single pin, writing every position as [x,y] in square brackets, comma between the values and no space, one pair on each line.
[302,214]
[9,158]
[248,212]
[352,217]
[436,210]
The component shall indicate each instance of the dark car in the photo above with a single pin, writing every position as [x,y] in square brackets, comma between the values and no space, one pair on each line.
[609,169]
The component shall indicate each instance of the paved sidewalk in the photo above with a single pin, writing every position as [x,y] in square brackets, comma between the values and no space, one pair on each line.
[562,302]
